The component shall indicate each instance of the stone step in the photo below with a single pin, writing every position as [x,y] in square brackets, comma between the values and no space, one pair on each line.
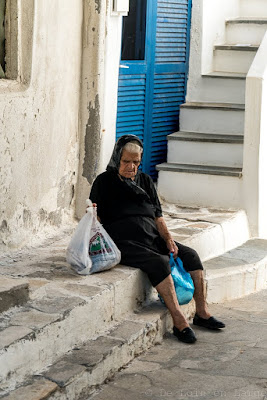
[205,149]
[211,232]
[242,270]
[254,8]
[233,57]
[200,185]
[80,371]
[246,30]
[220,87]
[200,117]
[13,292]
[62,314]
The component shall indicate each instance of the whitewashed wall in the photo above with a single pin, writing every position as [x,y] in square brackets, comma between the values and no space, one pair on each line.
[255,146]
[39,128]
[207,29]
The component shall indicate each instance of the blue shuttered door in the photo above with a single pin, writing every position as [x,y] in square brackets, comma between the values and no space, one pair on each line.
[151,90]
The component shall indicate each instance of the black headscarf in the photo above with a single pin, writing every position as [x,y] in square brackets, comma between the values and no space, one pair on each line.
[114,165]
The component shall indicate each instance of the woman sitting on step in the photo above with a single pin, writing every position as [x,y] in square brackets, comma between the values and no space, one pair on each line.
[130,211]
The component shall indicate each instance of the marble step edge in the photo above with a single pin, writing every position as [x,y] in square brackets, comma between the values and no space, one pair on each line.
[246,20]
[201,169]
[205,137]
[213,106]
[225,75]
[79,372]
[236,47]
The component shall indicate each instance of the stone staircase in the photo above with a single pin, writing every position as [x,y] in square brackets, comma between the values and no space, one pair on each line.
[205,158]
[68,334]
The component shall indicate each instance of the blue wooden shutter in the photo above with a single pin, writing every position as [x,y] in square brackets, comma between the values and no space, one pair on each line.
[150,91]
[170,74]
[131,105]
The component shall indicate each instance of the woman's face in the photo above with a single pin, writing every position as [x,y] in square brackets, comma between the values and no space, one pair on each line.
[129,164]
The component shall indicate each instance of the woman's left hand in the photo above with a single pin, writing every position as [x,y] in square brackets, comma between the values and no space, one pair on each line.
[172,247]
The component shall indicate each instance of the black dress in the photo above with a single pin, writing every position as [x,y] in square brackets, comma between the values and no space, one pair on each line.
[128,215]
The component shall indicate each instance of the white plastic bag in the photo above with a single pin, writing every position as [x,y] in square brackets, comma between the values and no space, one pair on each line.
[91,249]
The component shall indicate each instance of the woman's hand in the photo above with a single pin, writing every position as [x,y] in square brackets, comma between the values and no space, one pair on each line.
[171,245]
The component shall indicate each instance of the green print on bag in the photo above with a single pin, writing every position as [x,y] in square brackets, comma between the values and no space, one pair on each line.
[98,245]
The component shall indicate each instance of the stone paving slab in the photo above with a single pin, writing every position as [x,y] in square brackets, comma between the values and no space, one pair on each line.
[229,364]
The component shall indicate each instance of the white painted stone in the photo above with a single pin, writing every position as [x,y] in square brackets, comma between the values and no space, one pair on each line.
[211,121]
[254,8]
[207,29]
[218,90]
[205,153]
[233,60]
[255,144]
[200,189]
[246,33]
[88,320]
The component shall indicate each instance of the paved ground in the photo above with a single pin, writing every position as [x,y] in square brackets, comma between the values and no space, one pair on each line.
[230,364]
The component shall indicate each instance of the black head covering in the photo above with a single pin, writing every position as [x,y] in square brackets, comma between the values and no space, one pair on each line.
[114,162]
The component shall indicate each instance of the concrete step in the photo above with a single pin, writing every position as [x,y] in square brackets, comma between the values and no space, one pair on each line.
[254,8]
[79,372]
[211,232]
[233,57]
[205,149]
[13,292]
[196,185]
[61,314]
[248,31]
[242,270]
[201,117]
[221,87]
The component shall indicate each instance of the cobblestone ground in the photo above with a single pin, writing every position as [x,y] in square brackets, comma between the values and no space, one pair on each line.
[228,364]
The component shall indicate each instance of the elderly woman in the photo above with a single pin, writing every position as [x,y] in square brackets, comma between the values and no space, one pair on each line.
[130,211]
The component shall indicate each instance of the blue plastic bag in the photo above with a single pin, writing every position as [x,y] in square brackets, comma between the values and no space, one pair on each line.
[183,283]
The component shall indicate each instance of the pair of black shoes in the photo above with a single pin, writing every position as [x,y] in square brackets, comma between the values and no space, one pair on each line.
[187,335]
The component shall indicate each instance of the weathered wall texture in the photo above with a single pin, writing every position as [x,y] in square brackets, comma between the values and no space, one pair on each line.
[92,95]
[39,127]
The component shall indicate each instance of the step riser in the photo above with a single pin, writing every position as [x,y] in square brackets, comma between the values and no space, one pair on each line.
[211,121]
[29,355]
[121,356]
[236,285]
[246,33]
[224,237]
[254,8]
[13,293]
[233,60]
[200,189]
[205,153]
[220,90]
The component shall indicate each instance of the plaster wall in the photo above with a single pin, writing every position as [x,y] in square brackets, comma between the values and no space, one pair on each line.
[39,125]
[99,87]
[255,143]
[207,30]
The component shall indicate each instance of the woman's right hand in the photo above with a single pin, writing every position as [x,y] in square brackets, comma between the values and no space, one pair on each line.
[171,245]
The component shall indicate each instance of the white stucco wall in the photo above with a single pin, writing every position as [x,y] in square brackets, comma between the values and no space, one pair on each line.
[255,145]
[39,129]
[207,29]
[112,60]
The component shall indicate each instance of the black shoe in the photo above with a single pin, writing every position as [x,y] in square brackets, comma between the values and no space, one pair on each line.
[187,335]
[210,323]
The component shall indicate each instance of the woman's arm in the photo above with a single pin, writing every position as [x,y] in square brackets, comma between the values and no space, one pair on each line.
[165,234]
